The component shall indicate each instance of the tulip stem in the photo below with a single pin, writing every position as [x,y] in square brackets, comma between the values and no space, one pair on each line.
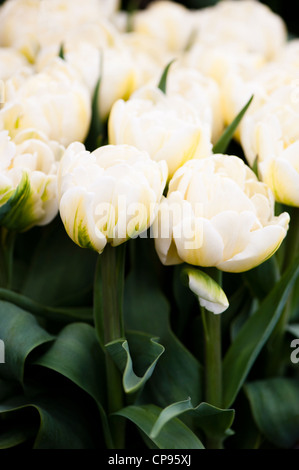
[7,244]
[213,365]
[108,318]
[274,365]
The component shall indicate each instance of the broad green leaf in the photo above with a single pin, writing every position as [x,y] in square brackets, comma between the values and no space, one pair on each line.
[177,374]
[60,273]
[223,142]
[174,435]
[60,315]
[212,420]
[76,354]
[62,421]
[209,293]
[21,334]
[275,407]
[254,334]
[140,353]
[15,434]
[163,81]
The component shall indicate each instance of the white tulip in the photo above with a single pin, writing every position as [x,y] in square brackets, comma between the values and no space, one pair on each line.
[53,101]
[167,127]
[167,22]
[248,23]
[218,214]
[200,91]
[271,135]
[109,195]
[11,61]
[47,22]
[31,161]
[218,62]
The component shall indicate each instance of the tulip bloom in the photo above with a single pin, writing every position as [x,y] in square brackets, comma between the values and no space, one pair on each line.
[109,195]
[167,127]
[218,214]
[28,168]
[271,134]
[53,101]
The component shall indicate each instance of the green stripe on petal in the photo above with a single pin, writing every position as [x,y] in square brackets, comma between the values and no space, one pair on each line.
[15,214]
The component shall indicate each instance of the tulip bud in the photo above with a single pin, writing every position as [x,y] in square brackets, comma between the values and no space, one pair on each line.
[109,195]
[218,214]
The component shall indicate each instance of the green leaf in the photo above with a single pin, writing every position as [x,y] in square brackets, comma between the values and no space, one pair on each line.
[177,374]
[254,334]
[223,142]
[61,420]
[174,435]
[163,81]
[209,293]
[16,434]
[140,353]
[60,273]
[61,52]
[214,421]
[275,407]
[76,354]
[60,315]
[21,335]
[97,131]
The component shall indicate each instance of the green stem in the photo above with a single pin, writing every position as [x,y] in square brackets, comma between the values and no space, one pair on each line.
[108,318]
[292,238]
[213,363]
[7,243]
[276,342]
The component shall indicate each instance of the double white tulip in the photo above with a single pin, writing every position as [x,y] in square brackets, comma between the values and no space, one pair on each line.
[218,214]
[202,92]
[167,127]
[167,22]
[271,134]
[109,195]
[29,25]
[28,169]
[248,23]
[53,101]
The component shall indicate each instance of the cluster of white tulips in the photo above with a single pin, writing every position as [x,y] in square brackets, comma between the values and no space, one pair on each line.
[157,168]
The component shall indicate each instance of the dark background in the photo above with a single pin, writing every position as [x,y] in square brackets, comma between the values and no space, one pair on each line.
[287,9]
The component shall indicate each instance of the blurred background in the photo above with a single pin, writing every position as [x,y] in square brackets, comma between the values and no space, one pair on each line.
[287,9]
